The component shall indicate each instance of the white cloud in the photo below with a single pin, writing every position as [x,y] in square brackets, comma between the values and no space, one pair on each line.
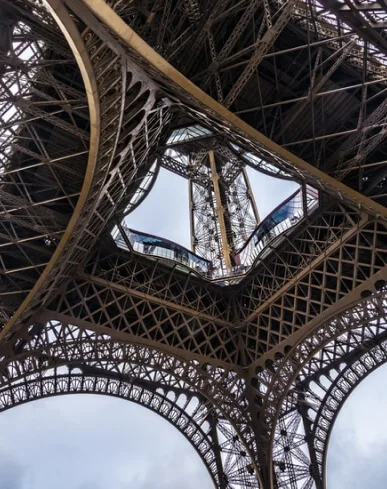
[358,446]
[87,441]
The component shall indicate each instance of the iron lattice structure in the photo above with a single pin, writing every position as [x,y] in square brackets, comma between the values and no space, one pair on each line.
[95,97]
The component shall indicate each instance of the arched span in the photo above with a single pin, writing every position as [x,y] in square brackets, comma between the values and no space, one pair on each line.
[337,393]
[126,120]
[178,409]
[289,390]
[55,353]
[76,44]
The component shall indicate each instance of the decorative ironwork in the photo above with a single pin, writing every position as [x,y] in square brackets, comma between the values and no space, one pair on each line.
[252,374]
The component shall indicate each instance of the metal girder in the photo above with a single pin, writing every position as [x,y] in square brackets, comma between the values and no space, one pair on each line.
[358,146]
[309,296]
[165,72]
[274,25]
[105,320]
[351,15]
[57,360]
[317,82]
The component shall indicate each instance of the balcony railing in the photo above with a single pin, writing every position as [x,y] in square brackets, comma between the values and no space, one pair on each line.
[148,244]
[268,232]
[282,218]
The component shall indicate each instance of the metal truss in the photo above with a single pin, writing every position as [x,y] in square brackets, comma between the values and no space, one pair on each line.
[253,373]
[59,358]
[310,75]
[304,388]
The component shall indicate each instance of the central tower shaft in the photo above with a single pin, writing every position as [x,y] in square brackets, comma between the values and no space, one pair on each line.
[222,206]
[223,218]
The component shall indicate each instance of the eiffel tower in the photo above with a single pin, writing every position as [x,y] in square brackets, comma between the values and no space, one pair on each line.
[250,342]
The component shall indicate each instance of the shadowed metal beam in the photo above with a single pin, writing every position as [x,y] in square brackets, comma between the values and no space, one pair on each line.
[107,15]
[71,33]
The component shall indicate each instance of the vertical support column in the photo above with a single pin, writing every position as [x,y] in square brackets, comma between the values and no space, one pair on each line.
[303,410]
[223,483]
[223,213]
[226,248]
[251,196]
[192,216]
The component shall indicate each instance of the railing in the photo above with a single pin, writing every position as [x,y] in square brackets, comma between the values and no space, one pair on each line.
[285,216]
[147,244]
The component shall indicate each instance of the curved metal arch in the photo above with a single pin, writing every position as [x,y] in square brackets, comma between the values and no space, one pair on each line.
[203,441]
[281,389]
[336,396]
[46,92]
[132,118]
[56,345]
[129,123]
[76,44]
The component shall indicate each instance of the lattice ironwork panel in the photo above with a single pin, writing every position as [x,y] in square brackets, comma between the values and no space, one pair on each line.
[44,140]
[206,405]
[341,269]
[300,392]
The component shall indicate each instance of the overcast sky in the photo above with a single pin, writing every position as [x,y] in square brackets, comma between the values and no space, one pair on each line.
[96,442]
[357,456]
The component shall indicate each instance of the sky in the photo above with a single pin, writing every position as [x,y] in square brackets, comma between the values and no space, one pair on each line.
[84,441]
[97,442]
[357,454]
[165,212]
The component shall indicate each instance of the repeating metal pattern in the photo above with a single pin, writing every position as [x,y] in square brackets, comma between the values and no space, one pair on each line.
[314,287]
[253,373]
[59,358]
[302,391]
[155,304]
[44,140]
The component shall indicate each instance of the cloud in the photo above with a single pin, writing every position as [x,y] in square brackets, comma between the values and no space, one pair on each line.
[94,442]
[165,211]
[358,446]
[12,473]
[349,467]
